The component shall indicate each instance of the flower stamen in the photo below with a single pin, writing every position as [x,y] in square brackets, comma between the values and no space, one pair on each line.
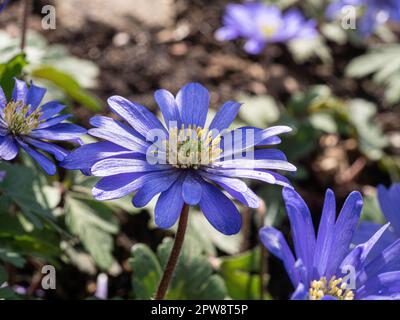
[335,288]
[18,119]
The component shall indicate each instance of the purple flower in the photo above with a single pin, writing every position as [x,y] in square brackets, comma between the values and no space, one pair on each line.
[27,125]
[371,13]
[3,4]
[325,267]
[190,161]
[389,201]
[260,24]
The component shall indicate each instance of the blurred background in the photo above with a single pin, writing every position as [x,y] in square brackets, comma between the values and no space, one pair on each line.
[339,91]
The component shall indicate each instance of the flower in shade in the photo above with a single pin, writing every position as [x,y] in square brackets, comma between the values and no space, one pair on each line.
[3,4]
[371,13]
[26,124]
[326,267]
[261,24]
[389,201]
[195,161]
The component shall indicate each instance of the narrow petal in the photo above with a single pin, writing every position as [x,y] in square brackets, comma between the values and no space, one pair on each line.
[225,116]
[191,190]
[87,155]
[193,101]
[219,210]
[20,91]
[59,132]
[58,152]
[8,148]
[385,284]
[325,235]
[344,229]
[113,166]
[302,228]
[169,206]
[300,293]
[50,109]
[389,201]
[138,116]
[42,160]
[255,164]
[150,189]
[3,99]
[243,173]
[168,106]
[35,96]
[275,242]
[53,121]
[254,46]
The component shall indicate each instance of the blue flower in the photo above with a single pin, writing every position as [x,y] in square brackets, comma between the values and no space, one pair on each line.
[194,160]
[3,4]
[261,24]
[325,267]
[371,13]
[27,125]
[389,201]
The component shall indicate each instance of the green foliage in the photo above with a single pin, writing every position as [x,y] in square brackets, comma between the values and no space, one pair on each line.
[193,277]
[241,275]
[375,63]
[9,70]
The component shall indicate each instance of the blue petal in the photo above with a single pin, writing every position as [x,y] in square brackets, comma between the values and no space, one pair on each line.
[274,241]
[385,284]
[42,160]
[118,133]
[344,229]
[255,164]
[244,173]
[87,155]
[59,132]
[219,210]
[269,154]
[138,116]
[3,99]
[193,101]
[8,148]
[302,228]
[325,235]
[150,189]
[300,293]
[53,121]
[58,152]
[168,106]
[191,190]
[20,91]
[50,109]
[113,166]
[225,116]
[254,46]
[389,201]
[169,206]
[35,96]
[118,186]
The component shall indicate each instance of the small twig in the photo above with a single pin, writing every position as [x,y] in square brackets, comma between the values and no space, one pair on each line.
[246,229]
[173,258]
[262,211]
[27,8]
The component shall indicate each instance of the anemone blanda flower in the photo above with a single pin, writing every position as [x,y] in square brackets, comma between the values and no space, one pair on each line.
[325,267]
[125,159]
[261,24]
[371,13]
[27,125]
[389,201]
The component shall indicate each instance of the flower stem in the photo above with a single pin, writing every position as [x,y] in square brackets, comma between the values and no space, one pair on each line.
[27,7]
[173,258]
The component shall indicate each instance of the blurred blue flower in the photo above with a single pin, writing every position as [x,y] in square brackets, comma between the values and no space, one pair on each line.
[125,160]
[325,266]
[261,24]
[3,4]
[389,201]
[371,13]
[27,125]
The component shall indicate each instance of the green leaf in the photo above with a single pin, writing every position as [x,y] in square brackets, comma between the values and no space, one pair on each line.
[147,272]
[193,277]
[241,275]
[94,224]
[71,87]
[9,70]
[259,111]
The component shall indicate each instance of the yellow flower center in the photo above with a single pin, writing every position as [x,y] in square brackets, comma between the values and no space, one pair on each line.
[335,288]
[268,30]
[18,120]
[191,147]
